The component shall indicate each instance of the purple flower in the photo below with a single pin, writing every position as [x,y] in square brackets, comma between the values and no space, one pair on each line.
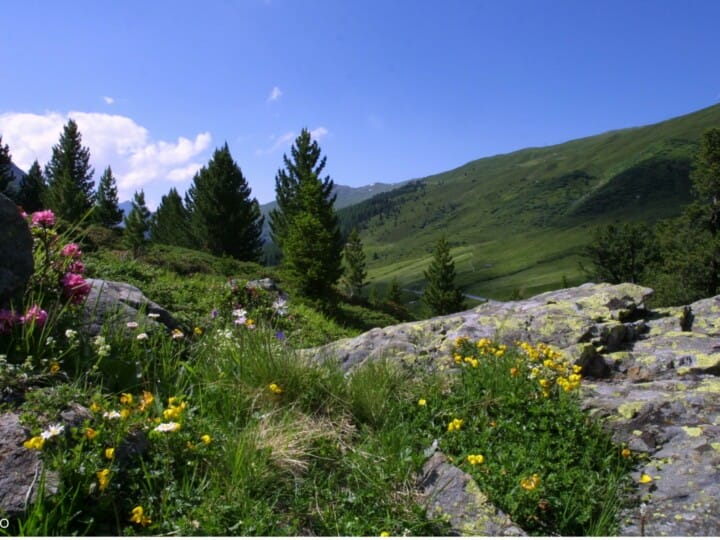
[7,320]
[214,313]
[280,335]
[75,287]
[72,251]
[44,218]
[36,315]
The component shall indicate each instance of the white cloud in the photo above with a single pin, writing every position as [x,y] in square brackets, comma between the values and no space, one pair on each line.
[286,139]
[275,94]
[108,100]
[136,160]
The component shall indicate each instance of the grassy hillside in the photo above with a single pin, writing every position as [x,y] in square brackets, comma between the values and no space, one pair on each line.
[517,222]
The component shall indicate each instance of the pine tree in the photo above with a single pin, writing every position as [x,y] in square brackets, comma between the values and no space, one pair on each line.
[6,173]
[394,294]
[171,222]
[33,189]
[106,212]
[305,201]
[441,296]
[137,224]
[355,270]
[224,219]
[69,175]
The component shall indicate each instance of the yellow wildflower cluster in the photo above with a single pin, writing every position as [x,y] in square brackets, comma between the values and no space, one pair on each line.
[548,367]
[455,425]
[476,459]
[174,409]
[530,483]
[484,347]
[138,516]
[275,389]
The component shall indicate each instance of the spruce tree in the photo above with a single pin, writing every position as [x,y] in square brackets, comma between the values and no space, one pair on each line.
[69,175]
[137,224]
[6,172]
[106,212]
[355,269]
[305,201]
[441,296]
[33,189]
[394,294]
[224,219]
[170,224]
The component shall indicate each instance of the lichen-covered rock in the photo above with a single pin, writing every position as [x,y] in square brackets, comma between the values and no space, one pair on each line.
[117,303]
[651,376]
[452,494]
[21,471]
[16,252]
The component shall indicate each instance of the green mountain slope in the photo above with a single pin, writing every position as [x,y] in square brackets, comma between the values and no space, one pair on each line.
[517,222]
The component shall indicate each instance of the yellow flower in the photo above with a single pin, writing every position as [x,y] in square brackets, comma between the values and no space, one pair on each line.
[138,516]
[198,331]
[94,407]
[476,459]
[530,483]
[544,383]
[514,372]
[206,439]
[146,400]
[90,433]
[456,424]
[177,334]
[174,411]
[275,389]
[126,399]
[384,534]
[626,453]
[35,443]
[124,413]
[109,453]
[645,478]
[54,367]
[422,402]
[103,478]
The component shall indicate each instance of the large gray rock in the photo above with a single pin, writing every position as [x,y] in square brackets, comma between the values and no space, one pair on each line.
[115,303]
[21,470]
[651,376]
[16,252]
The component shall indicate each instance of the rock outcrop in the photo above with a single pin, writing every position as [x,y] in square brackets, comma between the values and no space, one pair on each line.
[650,375]
[16,252]
[117,303]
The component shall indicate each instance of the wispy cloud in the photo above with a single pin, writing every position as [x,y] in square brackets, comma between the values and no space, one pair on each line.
[137,160]
[286,139]
[275,94]
[109,100]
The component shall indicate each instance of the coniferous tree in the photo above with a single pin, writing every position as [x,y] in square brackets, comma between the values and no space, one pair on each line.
[305,221]
[107,212]
[33,189]
[69,175]
[224,219]
[6,173]
[137,224]
[622,253]
[355,270]
[394,294]
[441,296]
[171,222]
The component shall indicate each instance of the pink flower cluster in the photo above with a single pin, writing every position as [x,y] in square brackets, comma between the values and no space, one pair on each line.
[75,287]
[43,218]
[8,318]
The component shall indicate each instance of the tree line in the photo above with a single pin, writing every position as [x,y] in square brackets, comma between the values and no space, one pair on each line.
[678,257]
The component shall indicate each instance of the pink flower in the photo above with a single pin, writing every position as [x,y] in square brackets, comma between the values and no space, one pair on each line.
[72,251]
[36,315]
[7,320]
[44,218]
[76,288]
[77,267]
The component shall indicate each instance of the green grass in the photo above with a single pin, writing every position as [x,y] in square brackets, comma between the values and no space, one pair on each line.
[529,213]
[226,430]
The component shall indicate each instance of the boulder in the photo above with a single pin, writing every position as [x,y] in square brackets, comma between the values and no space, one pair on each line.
[21,470]
[651,376]
[116,303]
[16,253]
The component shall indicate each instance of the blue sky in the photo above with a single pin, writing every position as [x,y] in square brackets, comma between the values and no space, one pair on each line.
[391,89]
